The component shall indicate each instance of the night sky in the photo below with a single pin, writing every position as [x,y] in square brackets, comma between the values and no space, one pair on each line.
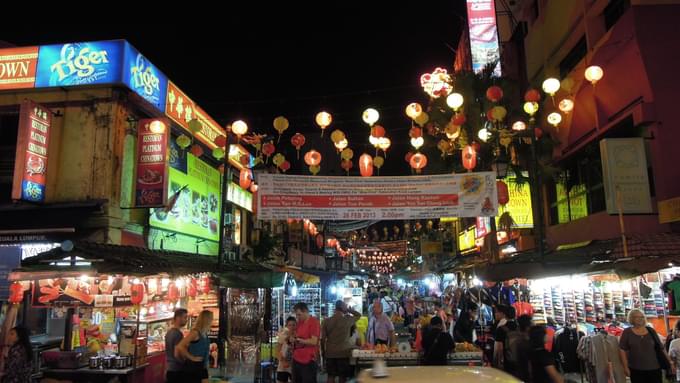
[261,64]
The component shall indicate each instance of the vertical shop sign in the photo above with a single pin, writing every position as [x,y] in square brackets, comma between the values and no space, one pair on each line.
[30,166]
[152,165]
[483,35]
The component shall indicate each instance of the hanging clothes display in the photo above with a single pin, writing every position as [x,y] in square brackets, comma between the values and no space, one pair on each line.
[564,348]
[600,352]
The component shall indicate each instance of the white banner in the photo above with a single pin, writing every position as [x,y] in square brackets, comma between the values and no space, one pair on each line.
[376,198]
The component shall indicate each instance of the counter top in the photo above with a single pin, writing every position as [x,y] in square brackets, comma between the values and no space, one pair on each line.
[95,371]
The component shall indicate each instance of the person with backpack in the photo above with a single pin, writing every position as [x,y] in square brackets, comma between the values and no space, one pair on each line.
[507,337]
[524,322]
[388,304]
[437,344]
[542,363]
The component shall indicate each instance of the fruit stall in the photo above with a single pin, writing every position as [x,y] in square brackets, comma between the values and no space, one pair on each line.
[465,354]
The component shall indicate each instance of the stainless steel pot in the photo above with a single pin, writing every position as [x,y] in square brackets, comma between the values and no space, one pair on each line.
[121,362]
[95,362]
[108,362]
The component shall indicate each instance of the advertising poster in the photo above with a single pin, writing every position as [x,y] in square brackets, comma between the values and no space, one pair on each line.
[484,43]
[196,211]
[151,179]
[140,75]
[79,64]
[377,198]
[30,166]
[17,67]
[624,169]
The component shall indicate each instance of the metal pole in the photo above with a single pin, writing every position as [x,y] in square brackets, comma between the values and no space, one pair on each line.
[536,196]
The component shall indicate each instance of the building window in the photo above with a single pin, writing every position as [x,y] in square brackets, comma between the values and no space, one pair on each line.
[577,190]
[575,55]
[613,12]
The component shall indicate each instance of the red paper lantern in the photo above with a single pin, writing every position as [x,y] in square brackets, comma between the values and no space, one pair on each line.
[458,119]
[538,132]
[173,292]
[196,150]
[312,158]
[16,293]
[205,284]
[469,157]
[415,132]
[221,141]
[332,242]
[192,288]
[245,178]
[346,165]
[532,95]
[418,162]
[268,149]
[319,241]
[503,194]
[494,93]
[408,156]
[298,140]
[489,115]
[136,293]
[377,131]
[366,165]
[285,165]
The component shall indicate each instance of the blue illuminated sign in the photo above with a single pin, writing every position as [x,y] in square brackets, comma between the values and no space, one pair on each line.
[79,64]
[144,78]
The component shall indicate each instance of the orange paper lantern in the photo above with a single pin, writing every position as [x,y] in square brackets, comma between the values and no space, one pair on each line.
[418,162]
[245,177]
[312,158]
[366,165]
[469,157]
[377,131]
[503,194]
[494,93]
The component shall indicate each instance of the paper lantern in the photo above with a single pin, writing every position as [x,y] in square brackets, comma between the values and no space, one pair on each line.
[494,93]
[378,161]
[415,132]
[323,119]
[319,241]
[253,189]
[221,141]
[173,292]
[378,131]
[183,141]
[298,140]
[554,119]
[285,165]
[530,107]
[452,131]
[594,74]
[192,288]
[444,146]
[280,125]
[136,293]
[337,136]
[417,142]
[205,284]
[408,156]
[347,154]
[245,177]
[346,165]
[418,161]
[366,165]
[455,101]
[489,115]
[196,150]
[16,293]
[384,143]
[370,116]
[538,132]
[268,149]
[567,84]
[519,126]
[314,169]
[278,159]
[340,145]
[551,86]
[499,113]
[532,95]
[566,105]
[413,110]
[218,153]
[503,194]
[313,158]
[484,134]
[469,157]
[194,125]
[239,128]
[458,119]
[422,119]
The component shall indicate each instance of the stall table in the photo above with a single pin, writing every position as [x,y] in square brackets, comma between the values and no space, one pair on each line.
[87,374]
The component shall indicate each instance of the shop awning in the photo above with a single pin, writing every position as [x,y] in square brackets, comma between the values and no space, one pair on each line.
[251,280]
[129,260]
[300,275]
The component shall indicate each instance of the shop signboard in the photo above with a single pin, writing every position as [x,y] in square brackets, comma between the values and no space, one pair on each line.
[376,198]
[196,209]
[84,63]
[482,227]
[573,208]
[484,43]
[624,171]
[519,205]
[466,239]
[151,179]
[431,247]
[17,67]
[30,166]
[240,196]
[181,109]
[669,210]
[140,75]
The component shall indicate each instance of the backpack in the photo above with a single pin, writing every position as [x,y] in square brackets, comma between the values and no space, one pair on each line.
[511,346]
